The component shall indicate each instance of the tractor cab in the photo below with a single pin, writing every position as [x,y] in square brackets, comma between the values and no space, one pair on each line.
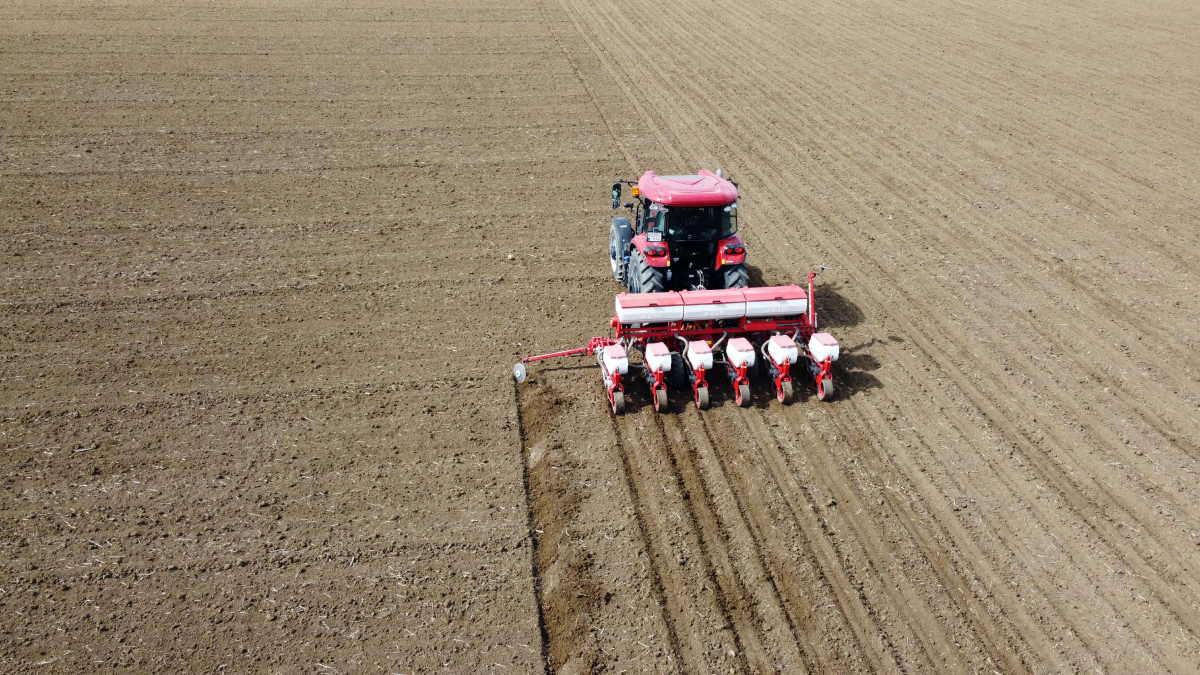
[689,223]
[682,235]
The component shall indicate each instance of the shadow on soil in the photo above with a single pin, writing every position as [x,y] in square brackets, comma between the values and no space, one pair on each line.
[852,372]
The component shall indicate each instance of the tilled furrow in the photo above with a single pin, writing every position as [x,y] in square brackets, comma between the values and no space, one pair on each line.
[702,632]
[777,551]
[940,540]
[763,628]
[942,619]
[771,498]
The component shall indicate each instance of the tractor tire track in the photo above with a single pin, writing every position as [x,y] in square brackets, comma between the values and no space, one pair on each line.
[934,626]
[765,630]
[997,643]
[802,580]
[765,478]
[702,633]
[995,526]
[948,546]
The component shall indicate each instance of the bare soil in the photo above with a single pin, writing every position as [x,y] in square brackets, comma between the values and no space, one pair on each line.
[265,268]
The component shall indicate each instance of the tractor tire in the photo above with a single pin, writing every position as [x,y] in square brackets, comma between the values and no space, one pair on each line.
[619,236]
[736,276]
[616,257]
[679,373]
[648,279]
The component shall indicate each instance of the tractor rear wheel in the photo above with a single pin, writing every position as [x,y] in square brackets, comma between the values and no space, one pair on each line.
[736,276]
[679,373]
[648,279]
[616,257]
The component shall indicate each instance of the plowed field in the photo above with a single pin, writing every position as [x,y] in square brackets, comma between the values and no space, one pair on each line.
[265,268]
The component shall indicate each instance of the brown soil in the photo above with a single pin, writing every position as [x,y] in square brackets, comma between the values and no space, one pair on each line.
[265,269]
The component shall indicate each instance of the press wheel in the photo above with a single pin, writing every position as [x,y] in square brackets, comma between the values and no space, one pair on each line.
[743,395]
[618,402]
[660,399]
[785,394]
[702,398]
[825,389]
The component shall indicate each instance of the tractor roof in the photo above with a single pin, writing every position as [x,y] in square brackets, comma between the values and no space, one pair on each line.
[704,189]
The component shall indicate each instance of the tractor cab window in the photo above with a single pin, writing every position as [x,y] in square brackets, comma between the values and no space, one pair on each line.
[654,217]
[659,221]
[697,223]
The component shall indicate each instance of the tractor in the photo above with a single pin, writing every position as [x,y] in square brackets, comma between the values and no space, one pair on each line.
[680,235]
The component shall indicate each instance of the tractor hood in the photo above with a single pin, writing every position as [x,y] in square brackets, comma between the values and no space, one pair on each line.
[703,189]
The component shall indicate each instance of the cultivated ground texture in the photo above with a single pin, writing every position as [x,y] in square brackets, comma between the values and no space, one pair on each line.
[265,267]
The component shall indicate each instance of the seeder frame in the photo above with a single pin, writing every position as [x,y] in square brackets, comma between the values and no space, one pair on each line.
[792,332]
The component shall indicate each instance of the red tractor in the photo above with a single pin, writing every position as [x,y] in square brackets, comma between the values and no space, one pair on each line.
[681,236]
